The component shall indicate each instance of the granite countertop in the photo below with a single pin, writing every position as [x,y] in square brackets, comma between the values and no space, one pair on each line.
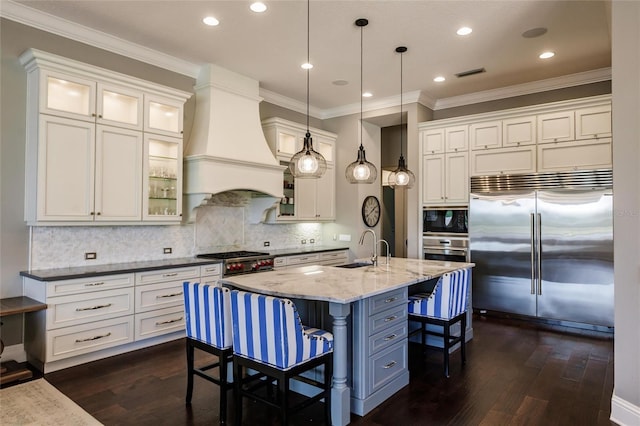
[343,285]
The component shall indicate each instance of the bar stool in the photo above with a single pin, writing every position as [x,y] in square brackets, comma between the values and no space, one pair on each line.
[268,337]
[445,306]
[208,324]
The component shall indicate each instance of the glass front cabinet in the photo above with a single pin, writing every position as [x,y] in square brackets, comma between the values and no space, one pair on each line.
[162,178]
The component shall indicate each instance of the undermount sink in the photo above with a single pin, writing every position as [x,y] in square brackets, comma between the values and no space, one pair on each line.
[355,265]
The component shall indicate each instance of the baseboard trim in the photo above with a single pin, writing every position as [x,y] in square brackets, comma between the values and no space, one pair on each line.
[623,412]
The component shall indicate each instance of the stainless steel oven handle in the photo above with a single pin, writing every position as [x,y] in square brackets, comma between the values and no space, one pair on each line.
[428,250]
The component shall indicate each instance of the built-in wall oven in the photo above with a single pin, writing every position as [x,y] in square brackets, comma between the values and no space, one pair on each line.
[445,234]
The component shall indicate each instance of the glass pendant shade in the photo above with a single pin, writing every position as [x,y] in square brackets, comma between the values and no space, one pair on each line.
[402,177]
[361,171]
[307,163]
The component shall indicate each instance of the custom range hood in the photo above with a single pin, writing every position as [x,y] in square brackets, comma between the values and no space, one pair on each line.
[227,150]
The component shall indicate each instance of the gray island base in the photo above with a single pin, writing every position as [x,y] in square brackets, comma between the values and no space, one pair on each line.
[377,298]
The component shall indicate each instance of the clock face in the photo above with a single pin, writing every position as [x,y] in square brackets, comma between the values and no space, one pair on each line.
[371,211]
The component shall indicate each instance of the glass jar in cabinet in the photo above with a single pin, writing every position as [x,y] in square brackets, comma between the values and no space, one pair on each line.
[163,178]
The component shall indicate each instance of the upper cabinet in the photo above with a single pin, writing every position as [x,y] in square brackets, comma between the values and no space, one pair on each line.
[90,152]
[305,200]
[447,139]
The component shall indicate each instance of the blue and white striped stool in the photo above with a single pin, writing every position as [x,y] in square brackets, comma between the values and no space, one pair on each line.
[445,306]
[268,337]
[208,324]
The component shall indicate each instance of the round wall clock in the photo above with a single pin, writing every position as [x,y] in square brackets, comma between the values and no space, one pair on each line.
[371,211]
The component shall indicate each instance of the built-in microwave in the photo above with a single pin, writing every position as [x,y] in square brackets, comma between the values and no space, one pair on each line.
[445,221]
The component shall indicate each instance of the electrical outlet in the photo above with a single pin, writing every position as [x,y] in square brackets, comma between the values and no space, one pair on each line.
[311,241]
[90,255]
[303,242]
[167,250]
[267,243]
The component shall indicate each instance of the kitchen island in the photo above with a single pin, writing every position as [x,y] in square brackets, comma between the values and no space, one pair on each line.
[378,295]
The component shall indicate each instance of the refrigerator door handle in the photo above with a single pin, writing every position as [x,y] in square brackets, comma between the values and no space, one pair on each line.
[539,251]
[533,251]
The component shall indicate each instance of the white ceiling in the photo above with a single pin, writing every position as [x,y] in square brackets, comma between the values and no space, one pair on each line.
[270,47]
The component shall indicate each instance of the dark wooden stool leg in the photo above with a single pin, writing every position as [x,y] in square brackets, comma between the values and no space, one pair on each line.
[237,384]
[283,389]
[446,340]
[463,340]
[223,388]
[190,360]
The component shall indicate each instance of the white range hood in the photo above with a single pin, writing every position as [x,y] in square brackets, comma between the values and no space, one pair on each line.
[227,149]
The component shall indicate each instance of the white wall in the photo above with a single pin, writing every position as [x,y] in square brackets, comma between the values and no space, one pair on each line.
[625,404]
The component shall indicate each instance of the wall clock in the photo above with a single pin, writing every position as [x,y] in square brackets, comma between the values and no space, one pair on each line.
[371,211]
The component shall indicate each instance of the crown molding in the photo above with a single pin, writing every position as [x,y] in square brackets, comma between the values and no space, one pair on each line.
[571,80]
[372,105]
[49,23]
[289,103]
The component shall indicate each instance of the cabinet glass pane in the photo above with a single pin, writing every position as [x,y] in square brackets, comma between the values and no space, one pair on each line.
[287,143]
[119,107]
[286,207]
[163,178]
[63,95]
[164,117]
[326,149]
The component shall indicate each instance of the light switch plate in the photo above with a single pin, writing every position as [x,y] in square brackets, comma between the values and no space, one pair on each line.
[345,237]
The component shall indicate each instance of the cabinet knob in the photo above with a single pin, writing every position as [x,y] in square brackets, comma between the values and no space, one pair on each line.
[92,213]
[93,114]
[100,116]
[98,213]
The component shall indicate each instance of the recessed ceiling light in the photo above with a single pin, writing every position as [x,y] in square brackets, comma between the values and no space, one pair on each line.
[547,55]
[439,79]
[534,32]
[258,7]
[306,66]
[464,31]
[211,21]
[367,94]
[340,82]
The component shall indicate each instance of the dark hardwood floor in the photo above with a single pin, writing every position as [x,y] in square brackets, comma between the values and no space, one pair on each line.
[517,373]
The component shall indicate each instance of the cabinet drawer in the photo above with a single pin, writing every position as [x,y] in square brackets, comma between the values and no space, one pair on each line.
[279,262]
[156,323]
[157,296]
[82,339]
[303,259]
[387,365]
[174,274]
[207,270]
[388,337]
[386,300]
[99,305]
[387,319]
[334,257]
[85,285]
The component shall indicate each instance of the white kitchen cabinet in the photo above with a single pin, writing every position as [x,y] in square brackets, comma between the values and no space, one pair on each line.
[162,178]
[503,161]
[577,155]
[593,123]
[432,141]
[456,139]
[327,258]
[445,179]
[304,199]
[85,136]
[556,127]
[210,274]
[485,135]
[519,131]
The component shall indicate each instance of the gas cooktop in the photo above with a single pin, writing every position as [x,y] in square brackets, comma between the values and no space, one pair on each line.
[241,254]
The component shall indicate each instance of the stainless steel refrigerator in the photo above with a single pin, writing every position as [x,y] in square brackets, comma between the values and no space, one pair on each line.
[543,245]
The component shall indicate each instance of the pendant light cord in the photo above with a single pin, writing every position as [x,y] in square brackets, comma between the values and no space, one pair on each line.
[308,62]
[401,118]
[361,48]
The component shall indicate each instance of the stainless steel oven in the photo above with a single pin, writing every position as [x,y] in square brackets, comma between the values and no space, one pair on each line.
[445,234]
[445,247]
[445,220]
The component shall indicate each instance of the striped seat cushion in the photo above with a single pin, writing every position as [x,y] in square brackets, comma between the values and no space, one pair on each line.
[448,299]
[268,329]
[207,311]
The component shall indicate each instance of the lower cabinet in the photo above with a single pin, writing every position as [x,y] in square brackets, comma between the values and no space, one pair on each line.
[380,349]
[96,317]
[327,258]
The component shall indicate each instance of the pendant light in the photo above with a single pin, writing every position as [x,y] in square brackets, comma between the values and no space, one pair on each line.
[401,177]
[307,163]
[361,171]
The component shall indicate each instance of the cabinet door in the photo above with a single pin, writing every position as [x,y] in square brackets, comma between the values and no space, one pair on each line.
[456,139]
[162,116]
[305,200]
[433,189]
[118,190]
[593,123]
[162,178]
[593,154]
[556,127]
[325,147]
[457,178]
[485,135]
[519,131]
[120,107]
[503,160]
[66,154]
[326,195]
[67,96]
[432,141]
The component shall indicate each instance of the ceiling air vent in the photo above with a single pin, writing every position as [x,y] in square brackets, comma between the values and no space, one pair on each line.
[470,72]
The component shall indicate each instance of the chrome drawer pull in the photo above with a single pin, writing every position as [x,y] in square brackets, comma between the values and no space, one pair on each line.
[93,338]
[390,337]
[93,308]
[391,299]
[169,295]
[94,284]
[388,366]
[169,275]
[391,318]
[169,321]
